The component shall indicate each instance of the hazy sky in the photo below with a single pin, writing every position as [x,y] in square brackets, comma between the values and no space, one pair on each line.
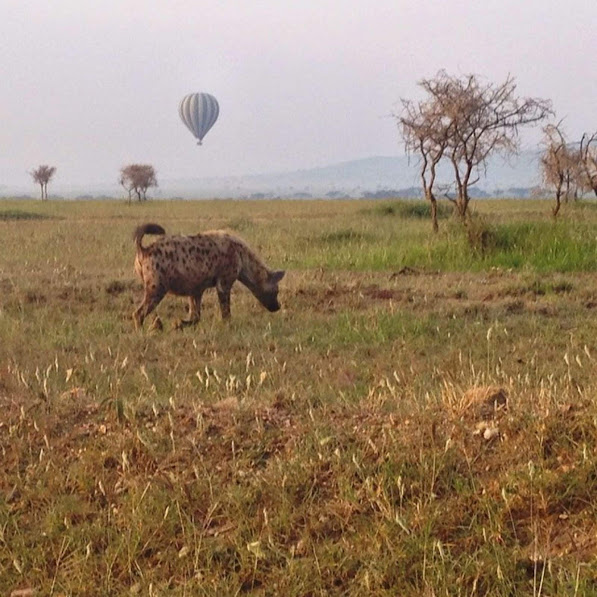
[89,86]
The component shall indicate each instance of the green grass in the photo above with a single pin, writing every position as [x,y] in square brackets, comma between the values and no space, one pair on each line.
[346,445]
[7,215]
[410,209]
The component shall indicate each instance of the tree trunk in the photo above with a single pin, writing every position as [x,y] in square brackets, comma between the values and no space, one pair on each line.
[462,197]
[462,202]
[558,204]
[431,195]
[433,203]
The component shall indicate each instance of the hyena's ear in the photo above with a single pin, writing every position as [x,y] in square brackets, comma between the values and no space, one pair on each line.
[277,275]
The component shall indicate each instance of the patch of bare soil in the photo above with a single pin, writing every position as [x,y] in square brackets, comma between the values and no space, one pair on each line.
[457,294]
[116,287]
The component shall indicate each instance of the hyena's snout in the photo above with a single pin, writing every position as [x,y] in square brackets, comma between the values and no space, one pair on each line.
[270,301]
[269,296]
[273,306]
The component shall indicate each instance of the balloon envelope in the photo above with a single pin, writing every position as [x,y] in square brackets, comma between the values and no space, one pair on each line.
[199,111]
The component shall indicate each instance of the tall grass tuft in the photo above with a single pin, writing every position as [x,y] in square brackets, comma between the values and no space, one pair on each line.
[540,246]
[344,236]
[411,209]
[7,215]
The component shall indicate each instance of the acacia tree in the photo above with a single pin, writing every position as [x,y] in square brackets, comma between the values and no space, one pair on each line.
[559,164]
[138,178]
[42,175]
[425,132]
[126,185]
[486,120]
[587,163]
[480,119]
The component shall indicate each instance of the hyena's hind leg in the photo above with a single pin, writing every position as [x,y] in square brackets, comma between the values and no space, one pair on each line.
[152,298]
[194,312]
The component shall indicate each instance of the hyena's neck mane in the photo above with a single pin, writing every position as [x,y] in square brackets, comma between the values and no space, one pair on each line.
[253,270]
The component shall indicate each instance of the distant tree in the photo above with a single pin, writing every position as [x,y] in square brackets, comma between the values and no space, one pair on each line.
[126,184]
[559,164]
[336,195]
[485,119]
[426,132]
[465,121]
[384,194]
[587,163]
[138,178]
[42,175]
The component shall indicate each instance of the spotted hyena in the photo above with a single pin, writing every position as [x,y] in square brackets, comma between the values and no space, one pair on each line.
[188,265]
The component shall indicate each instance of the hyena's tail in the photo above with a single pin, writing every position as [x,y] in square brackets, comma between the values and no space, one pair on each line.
[144,229]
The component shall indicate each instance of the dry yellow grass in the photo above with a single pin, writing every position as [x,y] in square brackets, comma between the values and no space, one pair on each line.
[398,428]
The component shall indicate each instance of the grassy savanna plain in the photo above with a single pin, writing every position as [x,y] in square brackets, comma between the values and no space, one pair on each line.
[418,419]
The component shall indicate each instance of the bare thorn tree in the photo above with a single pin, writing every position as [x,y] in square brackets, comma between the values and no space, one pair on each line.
[42,175]
[486,119]
[555,162]
[588,163]
[138,178]
[561,165]
[480,119]
[126,184]
[427,133]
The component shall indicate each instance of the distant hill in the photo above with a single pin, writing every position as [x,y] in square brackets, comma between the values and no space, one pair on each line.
[374,176]
[358,178]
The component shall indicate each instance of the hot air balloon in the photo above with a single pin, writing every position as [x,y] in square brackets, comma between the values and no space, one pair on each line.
[199,111]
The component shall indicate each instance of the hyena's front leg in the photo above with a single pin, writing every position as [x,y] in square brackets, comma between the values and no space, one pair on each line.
[194,312]
[223,288]
[152,298]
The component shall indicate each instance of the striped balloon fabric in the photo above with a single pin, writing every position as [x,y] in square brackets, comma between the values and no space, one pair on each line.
[199,112]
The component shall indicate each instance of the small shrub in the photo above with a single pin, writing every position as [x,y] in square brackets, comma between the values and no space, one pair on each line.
[483,238]
[543,246]
[7,215]
[413,209]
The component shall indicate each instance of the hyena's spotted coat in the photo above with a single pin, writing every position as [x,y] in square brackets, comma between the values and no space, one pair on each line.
[188,265]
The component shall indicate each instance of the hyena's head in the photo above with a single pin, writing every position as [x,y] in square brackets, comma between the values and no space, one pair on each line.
[268,293]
